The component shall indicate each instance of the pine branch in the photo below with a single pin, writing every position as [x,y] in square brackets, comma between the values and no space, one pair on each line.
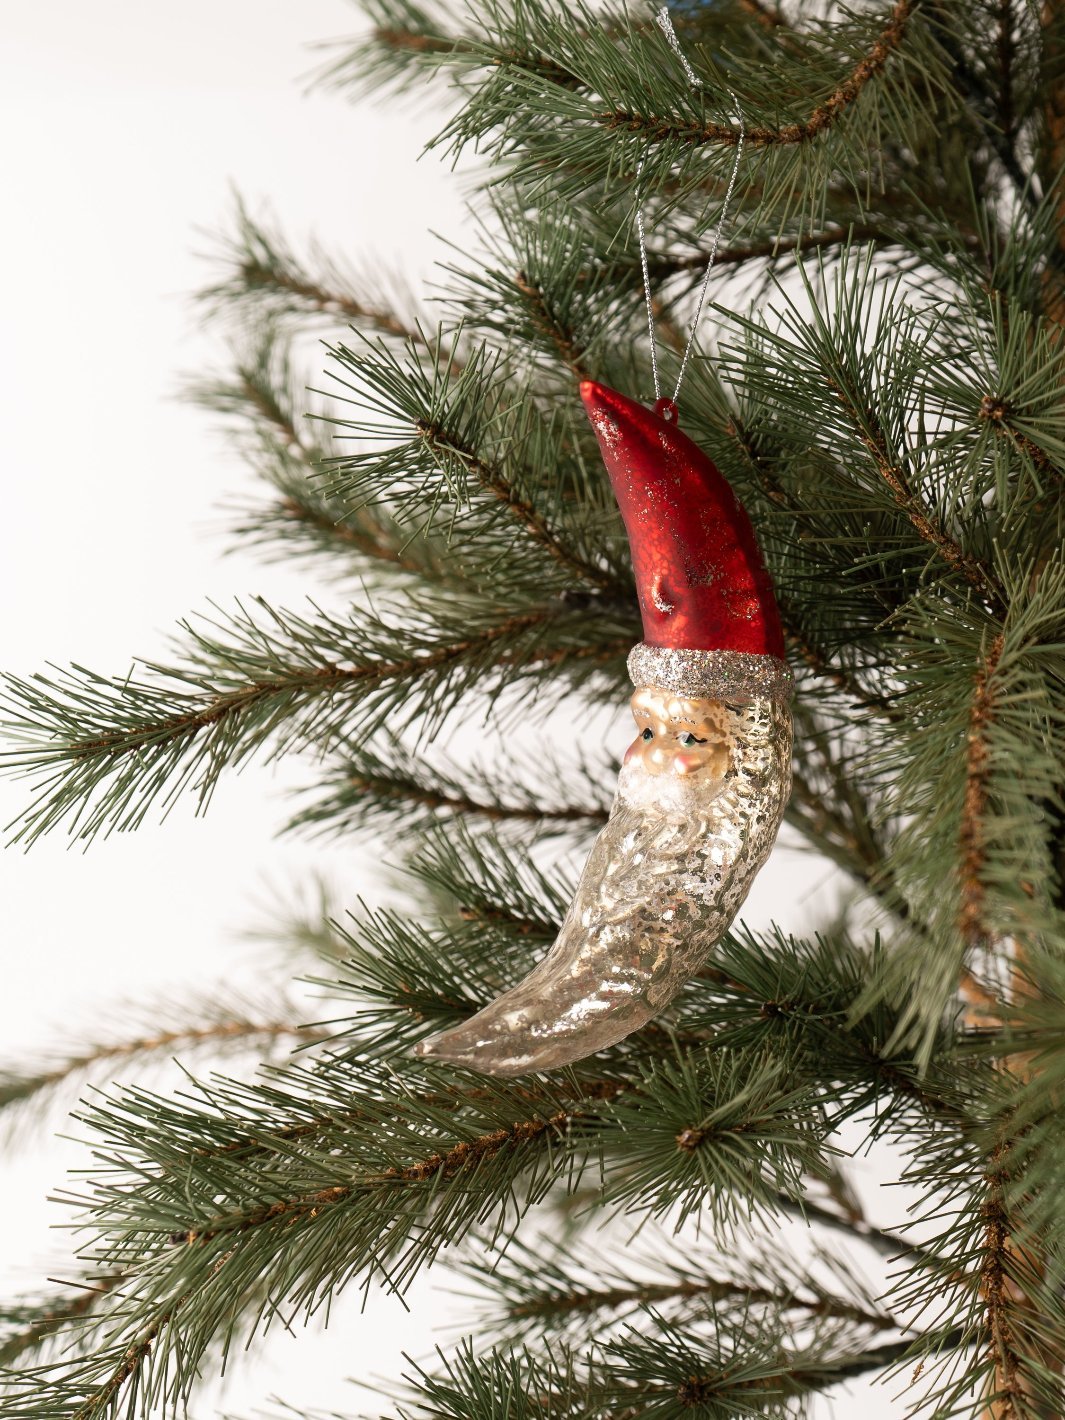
[465,805]
[664,264]
[828,830]
[768,16]
[1000,415]
[206,1259]
[1009,1396]
[492,882]
[468,1153]
[984,105]
[703,1388]
[200,1202]
[891,1246]
[326,534]
[446,447]
[468,451]
[808,992]
[269,427]
[874,438]
[537,1288]
[102,750]
[26,1327]
[564,340]
[667,1371]
[273,285]
[103,1399]
[972,837]
[836,673]
[369,783]
[845,402]
[263,277]
[898,433]
[820,119]
[410,979]
[21,1087]
[403,31]
[549,283]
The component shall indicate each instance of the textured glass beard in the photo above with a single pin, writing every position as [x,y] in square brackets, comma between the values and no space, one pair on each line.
[665,877]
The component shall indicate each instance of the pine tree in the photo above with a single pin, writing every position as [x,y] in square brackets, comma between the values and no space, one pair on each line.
[881,379]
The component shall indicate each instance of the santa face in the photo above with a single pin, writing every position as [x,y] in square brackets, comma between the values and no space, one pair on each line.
[678,735]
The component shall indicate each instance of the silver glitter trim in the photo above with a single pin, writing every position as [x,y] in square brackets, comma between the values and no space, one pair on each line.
[710,675]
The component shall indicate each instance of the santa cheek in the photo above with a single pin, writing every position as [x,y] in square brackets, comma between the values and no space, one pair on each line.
[688,763]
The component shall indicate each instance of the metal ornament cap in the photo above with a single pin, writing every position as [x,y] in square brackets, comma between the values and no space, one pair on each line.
[700,577]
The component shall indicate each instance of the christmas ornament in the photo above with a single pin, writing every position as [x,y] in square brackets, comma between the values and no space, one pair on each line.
[703,786]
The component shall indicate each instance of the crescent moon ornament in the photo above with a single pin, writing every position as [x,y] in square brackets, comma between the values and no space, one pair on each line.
[704,784]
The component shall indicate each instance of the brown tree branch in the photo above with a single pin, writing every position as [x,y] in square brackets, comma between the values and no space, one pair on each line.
[547,323]
[822,118]
[17,1089]
[768,16]
[997,412]
[1011,1319]
[258,276]
[771,248]
[270,410]
[1009,1316]
[875,441]
[324,678]
[494,481]
[972,839]
[411,792]
[81,1299]
[579,1302]
[465,1155]
[135,1355]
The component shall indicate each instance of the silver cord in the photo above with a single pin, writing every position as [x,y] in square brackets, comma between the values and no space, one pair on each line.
[666,25]
[647,286]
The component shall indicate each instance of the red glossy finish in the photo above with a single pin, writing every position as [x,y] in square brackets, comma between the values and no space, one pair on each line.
[699,573]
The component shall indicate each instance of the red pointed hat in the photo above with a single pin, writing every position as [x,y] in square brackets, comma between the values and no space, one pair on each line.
[709,613]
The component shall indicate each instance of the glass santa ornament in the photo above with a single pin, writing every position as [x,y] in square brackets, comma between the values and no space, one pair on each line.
[704,784]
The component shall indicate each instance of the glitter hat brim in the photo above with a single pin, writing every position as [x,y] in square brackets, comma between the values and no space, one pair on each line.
[710,675]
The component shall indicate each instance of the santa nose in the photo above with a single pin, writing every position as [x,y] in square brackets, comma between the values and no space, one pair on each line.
[659,757]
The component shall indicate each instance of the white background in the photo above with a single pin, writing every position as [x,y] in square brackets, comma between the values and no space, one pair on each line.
[123,127]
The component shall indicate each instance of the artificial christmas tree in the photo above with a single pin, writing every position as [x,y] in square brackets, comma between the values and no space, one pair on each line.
[882,386]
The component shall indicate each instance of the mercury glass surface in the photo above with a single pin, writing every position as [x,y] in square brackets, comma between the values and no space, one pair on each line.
[665,877]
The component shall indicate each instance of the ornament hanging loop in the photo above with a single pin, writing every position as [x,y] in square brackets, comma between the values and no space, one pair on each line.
[661,405]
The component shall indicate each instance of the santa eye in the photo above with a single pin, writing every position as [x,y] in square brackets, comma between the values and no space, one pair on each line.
[687,739]
[648,735]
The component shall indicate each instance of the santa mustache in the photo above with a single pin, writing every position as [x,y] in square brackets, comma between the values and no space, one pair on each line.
[666,876]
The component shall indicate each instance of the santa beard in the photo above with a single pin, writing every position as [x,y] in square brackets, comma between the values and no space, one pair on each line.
[665,877]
